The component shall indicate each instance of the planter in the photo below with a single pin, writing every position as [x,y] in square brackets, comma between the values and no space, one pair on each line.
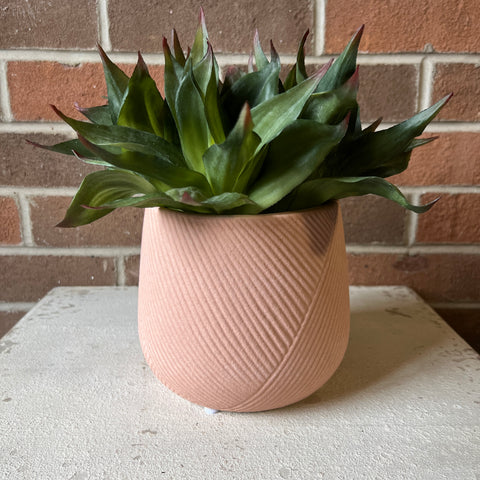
[244,313]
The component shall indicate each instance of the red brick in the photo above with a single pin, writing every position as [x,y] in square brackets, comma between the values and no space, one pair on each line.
[140,25]
[454,219]
[436,277]
[372,219]
[452,159]
[407,26]
[29,278]
[10,222]
[22,164]
[132,266]
[387,91]
[52,24]
[36,85]
[122,227]
[464,81]
[8,320]
[465,321]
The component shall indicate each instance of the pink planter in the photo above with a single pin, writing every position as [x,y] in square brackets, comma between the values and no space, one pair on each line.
[244,313]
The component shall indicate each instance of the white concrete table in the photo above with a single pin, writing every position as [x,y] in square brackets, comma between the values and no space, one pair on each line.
[77,401]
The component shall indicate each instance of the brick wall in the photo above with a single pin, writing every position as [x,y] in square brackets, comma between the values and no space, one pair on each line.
[412,54]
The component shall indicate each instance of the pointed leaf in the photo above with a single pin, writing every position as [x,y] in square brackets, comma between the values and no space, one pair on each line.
[293,156]
[125,137]
[100,115]
[67,148]
[343,67]
[154,168]
[143,104]
[192,123]
[332,106]
[319,191]
[215,117]
[381,153]
[260,58]
[200,44]
[117,82]
[99,188]
[273,115]
[172,75]
[177,48]
[225,162]
[253,88]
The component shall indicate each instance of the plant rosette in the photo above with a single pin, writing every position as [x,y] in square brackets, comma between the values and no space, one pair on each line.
[243,290]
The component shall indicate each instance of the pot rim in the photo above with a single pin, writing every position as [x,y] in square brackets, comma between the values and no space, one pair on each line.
[329,204]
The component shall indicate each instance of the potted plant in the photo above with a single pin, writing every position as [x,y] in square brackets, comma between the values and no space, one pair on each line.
[243,291]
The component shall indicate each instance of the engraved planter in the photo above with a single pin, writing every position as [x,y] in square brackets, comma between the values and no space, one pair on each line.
[244,313]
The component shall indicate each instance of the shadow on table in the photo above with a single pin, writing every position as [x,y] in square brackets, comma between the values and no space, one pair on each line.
[380,343]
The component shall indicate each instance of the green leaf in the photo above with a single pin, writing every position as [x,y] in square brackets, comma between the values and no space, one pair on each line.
[214,115]
[177,48]
[125,137]
[117,83]
[273,115]
[319,191]
[157,199]
[202,71]
[382,153]
[298,73]
[225,162]
[260,58]
[100,115]
[343,67]
[67,148]
[143,104]
[192,199]
[332,107]
[228,201]
[99,188]
[192,123]
[253,88]
[173,73]
[293,156]
[154,168]
[200,43]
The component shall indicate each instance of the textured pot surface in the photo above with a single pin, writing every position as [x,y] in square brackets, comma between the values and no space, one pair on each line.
[244,313]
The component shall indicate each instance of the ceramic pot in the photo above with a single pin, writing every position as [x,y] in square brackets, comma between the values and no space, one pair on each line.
[244,313]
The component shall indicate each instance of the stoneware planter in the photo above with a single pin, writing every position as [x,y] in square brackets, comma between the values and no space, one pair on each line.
[244,313]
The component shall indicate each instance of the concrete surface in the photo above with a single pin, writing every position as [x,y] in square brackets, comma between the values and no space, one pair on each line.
[77,401]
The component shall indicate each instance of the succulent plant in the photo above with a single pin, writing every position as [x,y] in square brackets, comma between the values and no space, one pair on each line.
[248,144]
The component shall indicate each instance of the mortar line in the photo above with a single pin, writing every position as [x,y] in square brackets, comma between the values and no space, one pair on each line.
[36,127]
[120,269]
[427,249]
[412,220]
[38,191]
[69,251]
[62,128]
[427,73]
[5,106]
[319,27]
[16,306]
[447,189]
[78,56]
[103,25]
[25,220]
[436,249]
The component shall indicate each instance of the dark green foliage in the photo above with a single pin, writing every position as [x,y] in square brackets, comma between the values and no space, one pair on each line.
[247,145]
